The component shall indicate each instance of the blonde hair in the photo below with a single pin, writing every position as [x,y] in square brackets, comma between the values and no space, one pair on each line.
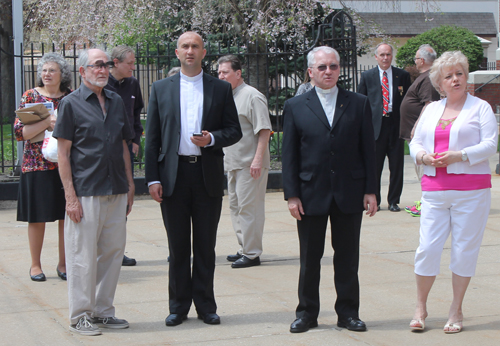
[447,59]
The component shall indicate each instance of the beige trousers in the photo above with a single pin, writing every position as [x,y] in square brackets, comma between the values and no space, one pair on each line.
[94,254]
[247,204]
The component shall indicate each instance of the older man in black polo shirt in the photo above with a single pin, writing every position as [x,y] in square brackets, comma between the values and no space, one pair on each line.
[94,163]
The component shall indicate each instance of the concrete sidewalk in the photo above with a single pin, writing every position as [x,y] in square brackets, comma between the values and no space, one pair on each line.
[256,304]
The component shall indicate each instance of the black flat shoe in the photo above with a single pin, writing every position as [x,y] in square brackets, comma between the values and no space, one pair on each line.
[301,325]
[61,274]
[245,262]
[38,278]
[352,323]
[394,207]
[232,258]
[175,319]
[209,318]
[128,262]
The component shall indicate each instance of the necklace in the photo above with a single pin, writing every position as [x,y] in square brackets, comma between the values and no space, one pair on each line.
[447,122]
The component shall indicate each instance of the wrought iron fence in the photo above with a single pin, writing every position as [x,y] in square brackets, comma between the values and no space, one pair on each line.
[275,68]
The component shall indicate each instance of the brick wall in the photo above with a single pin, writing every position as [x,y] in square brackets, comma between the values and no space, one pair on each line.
[490,93]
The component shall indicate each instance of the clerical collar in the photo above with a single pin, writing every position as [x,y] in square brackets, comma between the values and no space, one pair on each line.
[326,91]
[192,79]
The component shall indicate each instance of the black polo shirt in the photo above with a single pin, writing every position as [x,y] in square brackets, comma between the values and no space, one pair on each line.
[96,158]
[130,92]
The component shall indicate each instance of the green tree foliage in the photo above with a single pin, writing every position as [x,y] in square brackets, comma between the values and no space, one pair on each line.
[442,39]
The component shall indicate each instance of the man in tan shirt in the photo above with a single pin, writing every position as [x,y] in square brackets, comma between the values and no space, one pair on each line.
[247,165]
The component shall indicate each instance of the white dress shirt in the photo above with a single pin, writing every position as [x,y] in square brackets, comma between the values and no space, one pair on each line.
[328,99]
[389,77]
[191,102]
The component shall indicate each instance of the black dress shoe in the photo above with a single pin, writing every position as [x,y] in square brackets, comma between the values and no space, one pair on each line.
[232,258]
[394,207]
[352,323]
[209,318]
[245,262]
[175,319]
[61,274]
[378,207]
[128,262]
[38,277]
[301,325]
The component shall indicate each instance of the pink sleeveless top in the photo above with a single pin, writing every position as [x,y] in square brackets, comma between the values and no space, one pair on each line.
[442,180]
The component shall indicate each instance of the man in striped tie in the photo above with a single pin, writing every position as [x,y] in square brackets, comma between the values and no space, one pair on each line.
[386,86]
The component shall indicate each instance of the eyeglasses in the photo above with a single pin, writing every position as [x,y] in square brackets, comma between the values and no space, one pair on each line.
[322,68]
[415,59]
[99,64]
[51,71]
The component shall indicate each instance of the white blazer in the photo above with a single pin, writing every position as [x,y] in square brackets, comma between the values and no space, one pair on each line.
[475,130]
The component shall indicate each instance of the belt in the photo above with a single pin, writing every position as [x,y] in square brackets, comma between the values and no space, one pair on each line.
[189,159]
[387,115]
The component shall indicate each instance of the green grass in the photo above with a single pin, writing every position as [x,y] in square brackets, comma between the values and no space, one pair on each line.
[6,145]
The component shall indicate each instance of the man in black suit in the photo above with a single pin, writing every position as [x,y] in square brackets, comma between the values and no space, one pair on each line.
[191,116]
[328,172]
[386,118]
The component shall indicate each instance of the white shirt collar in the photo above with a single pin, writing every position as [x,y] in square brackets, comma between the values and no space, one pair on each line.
[192,79]
[326,91]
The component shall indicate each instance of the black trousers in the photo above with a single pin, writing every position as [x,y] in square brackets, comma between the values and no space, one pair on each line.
[190,206]
[389,144]
[345,230]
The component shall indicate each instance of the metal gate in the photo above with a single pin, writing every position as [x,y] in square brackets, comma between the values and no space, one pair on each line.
[276,68]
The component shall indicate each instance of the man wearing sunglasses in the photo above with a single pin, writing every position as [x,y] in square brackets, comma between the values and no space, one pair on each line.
[386,86]
[328,173]
[94,163]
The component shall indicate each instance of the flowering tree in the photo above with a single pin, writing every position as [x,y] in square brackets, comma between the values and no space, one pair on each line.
[110,21]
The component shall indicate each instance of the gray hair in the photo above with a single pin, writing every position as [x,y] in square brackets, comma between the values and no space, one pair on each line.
[375,51]
[232,59]
[83,58]
[173,71]
[311,56]
[447,59]
[427,53]
[121,52]
[63,66]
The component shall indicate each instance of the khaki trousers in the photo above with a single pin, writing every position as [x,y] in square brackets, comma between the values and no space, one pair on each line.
[247,204]
[94,254]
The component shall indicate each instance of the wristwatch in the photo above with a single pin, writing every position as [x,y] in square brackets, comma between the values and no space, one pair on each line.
[464,155]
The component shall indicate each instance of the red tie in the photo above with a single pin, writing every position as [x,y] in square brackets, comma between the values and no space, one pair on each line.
[385,93]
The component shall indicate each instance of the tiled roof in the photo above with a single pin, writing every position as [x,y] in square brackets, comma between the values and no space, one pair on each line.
[410,24]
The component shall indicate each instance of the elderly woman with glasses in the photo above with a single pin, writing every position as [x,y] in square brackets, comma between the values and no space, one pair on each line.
[41,195]
[453,141]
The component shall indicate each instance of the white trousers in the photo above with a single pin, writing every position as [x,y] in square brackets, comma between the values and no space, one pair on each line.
[463,214]
[94,254]
[247,204]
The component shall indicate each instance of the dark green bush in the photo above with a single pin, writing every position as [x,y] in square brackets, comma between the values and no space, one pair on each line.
[442,39]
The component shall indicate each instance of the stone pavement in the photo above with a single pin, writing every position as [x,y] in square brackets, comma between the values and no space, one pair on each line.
[256,304]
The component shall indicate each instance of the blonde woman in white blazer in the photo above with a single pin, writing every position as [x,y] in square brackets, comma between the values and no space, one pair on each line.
[453,140]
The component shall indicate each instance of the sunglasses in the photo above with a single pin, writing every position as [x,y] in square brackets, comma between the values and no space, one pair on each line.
[322,68]
[99,64]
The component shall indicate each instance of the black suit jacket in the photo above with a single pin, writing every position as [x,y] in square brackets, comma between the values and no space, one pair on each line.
[370,85]
[163,132]
[322,163]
